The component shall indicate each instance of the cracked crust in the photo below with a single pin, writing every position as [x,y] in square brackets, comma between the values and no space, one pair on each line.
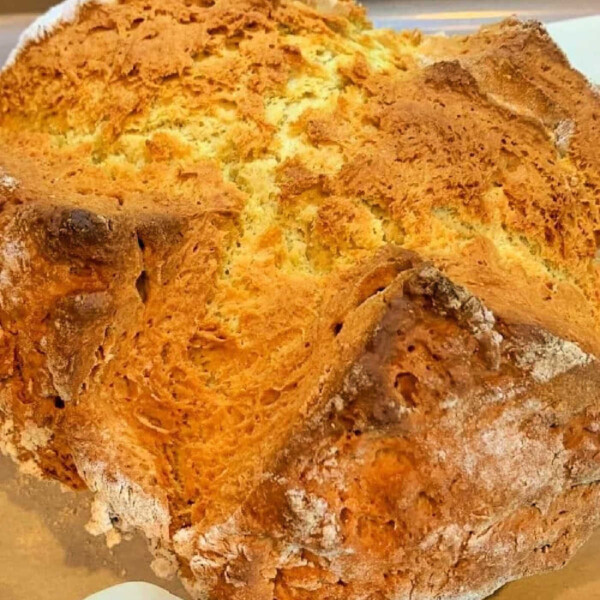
[313,305]
[442,470]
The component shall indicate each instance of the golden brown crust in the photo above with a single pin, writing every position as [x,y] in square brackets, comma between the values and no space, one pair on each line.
[216,213]
[443,468]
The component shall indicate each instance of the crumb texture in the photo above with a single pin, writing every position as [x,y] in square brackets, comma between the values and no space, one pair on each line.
[313,305]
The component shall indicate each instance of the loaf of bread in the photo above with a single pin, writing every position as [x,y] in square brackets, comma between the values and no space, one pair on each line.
[313,305]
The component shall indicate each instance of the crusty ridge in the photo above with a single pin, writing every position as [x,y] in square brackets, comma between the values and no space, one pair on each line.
[448,463]
[223,111]
[197,242]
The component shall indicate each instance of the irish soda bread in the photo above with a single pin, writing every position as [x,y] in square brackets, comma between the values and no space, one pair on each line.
[315,306]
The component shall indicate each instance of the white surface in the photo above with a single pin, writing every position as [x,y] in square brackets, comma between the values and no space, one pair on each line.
[580,41]
[133,591]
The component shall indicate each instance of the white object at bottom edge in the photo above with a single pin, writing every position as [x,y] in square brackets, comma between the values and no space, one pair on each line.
[133,591]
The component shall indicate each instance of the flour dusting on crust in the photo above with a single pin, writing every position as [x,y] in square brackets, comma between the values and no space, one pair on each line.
[7,445]
[551,356]
[34,437]
[14,263]
[117,495]
[7,182]
[562,136]
[43,26]
[313,521]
